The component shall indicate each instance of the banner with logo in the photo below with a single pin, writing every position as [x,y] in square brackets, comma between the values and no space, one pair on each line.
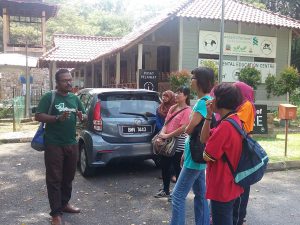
[238,44]
[231,69]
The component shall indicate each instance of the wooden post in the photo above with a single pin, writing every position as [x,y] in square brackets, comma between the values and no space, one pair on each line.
[85,76]
[118,69]
[93,75]
[5,29]
[286,136]
[43,24]
[14,116]
[103,81]
[140,64]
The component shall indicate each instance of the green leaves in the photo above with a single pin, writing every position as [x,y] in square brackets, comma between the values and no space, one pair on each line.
[179,79]
[287,82]
[250,76]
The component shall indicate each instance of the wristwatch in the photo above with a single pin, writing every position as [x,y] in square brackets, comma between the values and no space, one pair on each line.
[57,118]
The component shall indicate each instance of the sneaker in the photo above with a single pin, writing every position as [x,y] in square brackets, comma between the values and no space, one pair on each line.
[162,194]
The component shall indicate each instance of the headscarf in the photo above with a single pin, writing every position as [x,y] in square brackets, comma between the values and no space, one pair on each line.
[164,107]
[247,93]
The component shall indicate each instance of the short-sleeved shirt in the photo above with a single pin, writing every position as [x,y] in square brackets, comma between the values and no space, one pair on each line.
[246,114]
[182,118]
[219,179]
[61,132]
[199,107]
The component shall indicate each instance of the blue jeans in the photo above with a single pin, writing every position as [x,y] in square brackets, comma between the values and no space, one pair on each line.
[222,212]
[188,179]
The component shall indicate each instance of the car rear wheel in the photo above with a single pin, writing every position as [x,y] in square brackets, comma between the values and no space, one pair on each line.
[84,167]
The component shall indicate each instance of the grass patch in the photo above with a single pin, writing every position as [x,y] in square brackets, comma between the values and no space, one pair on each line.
[275,147]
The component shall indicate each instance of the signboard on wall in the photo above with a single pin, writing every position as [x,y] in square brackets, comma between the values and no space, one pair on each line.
[237,44]
[231,69]
[260,123]
[148,79]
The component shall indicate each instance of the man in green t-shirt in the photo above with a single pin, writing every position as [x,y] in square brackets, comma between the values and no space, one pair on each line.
[61,146]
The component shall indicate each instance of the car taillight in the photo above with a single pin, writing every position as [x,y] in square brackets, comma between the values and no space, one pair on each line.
[97,120]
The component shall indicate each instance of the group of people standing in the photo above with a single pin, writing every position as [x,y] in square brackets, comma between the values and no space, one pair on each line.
[212,180]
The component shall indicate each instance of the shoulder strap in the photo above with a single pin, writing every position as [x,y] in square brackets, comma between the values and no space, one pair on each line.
[53,93]
[169,120]
[242,132]
[237,127]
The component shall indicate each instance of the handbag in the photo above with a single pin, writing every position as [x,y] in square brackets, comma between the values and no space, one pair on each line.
[166,147]
[37,142]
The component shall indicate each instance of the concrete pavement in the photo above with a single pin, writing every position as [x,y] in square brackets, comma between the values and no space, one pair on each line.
[122,194]
[26,136]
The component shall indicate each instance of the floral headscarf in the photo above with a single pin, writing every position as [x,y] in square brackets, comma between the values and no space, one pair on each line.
[164,107]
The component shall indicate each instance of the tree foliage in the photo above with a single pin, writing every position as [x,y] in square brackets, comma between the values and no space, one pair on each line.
[212,65]
[287,83]
[250,76]
[112,18]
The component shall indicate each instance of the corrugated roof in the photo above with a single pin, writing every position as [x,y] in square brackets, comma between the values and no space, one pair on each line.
[85,48]
[207,9]
[76,48]
[236,11]
[28,8]
[16,59]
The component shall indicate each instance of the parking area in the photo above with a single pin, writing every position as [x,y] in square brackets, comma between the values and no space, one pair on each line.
[123,194]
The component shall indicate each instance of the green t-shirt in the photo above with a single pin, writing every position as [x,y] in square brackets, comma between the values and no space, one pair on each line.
[62,132]
[199,107]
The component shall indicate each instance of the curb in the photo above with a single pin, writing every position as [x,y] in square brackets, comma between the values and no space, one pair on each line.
[272,167]
[285,165]
[16,140]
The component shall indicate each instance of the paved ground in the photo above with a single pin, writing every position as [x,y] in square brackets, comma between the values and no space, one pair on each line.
[122,194]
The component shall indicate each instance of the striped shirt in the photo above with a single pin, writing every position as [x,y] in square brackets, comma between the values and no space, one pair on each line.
[181,142]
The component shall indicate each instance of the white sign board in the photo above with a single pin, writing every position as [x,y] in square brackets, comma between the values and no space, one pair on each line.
[238,44]
[231,69]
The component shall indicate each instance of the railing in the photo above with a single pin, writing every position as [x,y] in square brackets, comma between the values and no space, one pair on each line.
[35,95]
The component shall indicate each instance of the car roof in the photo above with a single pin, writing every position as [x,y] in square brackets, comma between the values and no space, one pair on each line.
[93,91]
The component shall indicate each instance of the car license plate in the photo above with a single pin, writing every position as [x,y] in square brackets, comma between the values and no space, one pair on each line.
[136,129]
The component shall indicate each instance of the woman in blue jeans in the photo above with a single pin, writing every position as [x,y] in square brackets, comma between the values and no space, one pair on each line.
[192,175]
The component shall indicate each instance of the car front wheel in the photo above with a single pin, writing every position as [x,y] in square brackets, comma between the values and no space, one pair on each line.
[84,167]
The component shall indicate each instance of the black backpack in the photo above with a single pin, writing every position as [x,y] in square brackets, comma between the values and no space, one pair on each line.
[196,147]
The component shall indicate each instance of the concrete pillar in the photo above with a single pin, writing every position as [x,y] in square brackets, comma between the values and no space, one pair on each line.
[118,69]
[180,47]
[52,71]
[93,75]
[103,80]
[139,64]
[43,28]
[5,29]
[85,77]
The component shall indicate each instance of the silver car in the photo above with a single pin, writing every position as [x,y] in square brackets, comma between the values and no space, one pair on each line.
[120,125]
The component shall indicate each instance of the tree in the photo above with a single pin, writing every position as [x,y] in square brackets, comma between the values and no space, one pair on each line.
[212,65]
[287,83]
[250,76]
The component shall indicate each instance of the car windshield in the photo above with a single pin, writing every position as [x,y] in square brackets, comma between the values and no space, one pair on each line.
[129,105]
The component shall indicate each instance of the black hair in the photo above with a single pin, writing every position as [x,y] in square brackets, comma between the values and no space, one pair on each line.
[59,72]
[227,96]
[205,78]
[186,91]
